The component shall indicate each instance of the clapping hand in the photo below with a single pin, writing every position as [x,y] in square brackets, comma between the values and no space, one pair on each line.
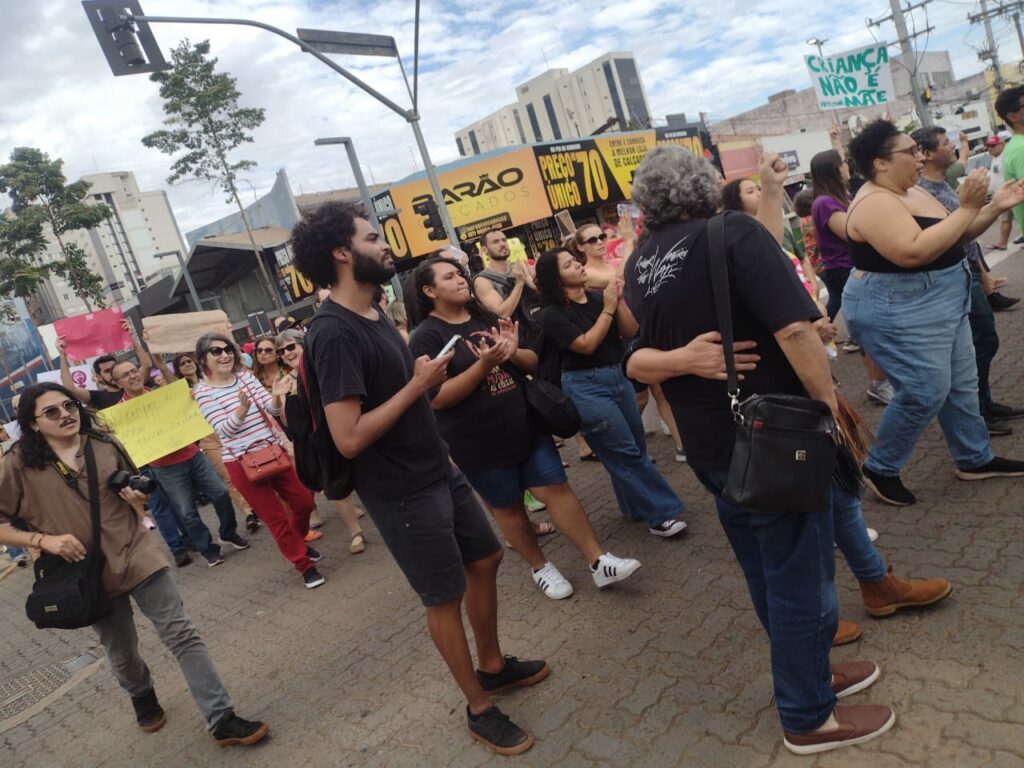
[1009,195]
[509,331]
[974,189]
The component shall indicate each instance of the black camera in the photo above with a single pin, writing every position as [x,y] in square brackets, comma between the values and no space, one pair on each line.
[125,479]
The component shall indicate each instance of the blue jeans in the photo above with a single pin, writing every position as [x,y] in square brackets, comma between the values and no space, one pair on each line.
[852,537]
[614,430]
[986,340]
[915,326]
[181,482]
[167,520]
[789,564]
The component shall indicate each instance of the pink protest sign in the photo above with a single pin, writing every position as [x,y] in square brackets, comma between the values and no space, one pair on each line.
[94,333]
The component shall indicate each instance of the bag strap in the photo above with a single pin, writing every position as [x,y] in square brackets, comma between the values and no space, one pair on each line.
[255,401]
[719,266]
[94,492]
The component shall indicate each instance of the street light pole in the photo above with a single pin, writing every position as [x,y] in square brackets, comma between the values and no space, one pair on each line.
[110,18]
[357,171]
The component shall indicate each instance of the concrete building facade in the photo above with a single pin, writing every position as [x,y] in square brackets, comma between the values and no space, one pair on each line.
[559,104]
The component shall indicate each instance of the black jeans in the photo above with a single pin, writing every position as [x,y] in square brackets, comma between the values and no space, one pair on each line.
[835,281]
[986,339]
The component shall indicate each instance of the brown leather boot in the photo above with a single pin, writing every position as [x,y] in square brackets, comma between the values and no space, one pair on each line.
[885,597]
[846,632]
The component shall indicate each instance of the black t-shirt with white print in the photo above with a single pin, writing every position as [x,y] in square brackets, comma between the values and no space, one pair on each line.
[668,288]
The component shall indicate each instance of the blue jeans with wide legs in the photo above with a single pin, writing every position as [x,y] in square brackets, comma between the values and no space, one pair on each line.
[614,430]
[181,482]
[915,326]
[852,537]
[789,563]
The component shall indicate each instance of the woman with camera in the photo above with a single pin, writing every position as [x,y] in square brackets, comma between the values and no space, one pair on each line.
[44,485]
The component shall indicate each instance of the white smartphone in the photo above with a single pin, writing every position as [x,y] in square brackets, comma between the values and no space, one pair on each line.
[449,346]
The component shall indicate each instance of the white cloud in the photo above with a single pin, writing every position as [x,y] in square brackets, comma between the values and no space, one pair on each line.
[718,57]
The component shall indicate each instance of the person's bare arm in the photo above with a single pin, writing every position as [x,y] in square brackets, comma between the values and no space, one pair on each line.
[628,326]
[837,224]
[588,342]
[802,346]
[354,431]
[773,170]
[703,357]
[145,359]
[165,371]
[491,299]
[65,374]
[1004,198]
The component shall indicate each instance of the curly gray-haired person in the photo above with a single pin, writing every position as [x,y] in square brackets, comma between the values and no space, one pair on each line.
[787,559]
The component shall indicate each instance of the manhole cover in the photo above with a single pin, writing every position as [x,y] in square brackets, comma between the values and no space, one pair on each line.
[22,692]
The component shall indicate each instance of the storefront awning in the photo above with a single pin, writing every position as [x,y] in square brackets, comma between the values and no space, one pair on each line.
[224,259]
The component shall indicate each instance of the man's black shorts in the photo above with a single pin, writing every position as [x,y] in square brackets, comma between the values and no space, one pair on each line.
[433,534]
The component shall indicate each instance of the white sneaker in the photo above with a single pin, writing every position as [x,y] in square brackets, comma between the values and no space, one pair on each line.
[881,391]
[552,583]
[680,456]
[668,528]
[611,569]
[872,535]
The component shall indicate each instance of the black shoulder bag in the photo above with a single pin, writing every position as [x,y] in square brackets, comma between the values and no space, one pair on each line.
[554,411]
[71,595]
[784,453]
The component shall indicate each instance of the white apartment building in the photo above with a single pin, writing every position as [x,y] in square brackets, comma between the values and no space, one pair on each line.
[122,250]
[560,104]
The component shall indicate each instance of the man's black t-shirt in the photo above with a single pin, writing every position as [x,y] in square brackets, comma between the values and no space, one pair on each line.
[101,398]
[562,325]
[492,427]
[668,287]
[354,356]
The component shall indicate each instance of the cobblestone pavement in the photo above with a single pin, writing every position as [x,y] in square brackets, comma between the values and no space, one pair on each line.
[669,669]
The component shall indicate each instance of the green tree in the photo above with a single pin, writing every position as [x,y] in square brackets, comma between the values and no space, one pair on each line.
[42,199]
[204,122]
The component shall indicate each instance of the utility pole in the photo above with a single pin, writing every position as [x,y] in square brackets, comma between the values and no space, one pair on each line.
[992,52]
[1020,35]
[907,50]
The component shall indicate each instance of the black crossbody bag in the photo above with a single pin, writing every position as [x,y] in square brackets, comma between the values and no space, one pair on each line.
[71,595]
[554,411]
[784,453]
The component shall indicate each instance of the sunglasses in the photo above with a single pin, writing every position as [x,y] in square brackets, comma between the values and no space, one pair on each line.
[218,351]
[54,412]
[596,239]
[265,350]
[286,349]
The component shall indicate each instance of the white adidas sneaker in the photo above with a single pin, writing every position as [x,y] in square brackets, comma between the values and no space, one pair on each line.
[552,583]
[611,569]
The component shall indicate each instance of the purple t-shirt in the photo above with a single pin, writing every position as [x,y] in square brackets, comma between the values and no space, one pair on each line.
[834,253]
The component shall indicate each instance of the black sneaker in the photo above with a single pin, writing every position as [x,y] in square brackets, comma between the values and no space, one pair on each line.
[236,541]
[181,558]
[233,730]
[998,467]
[313,554]
[891,490]
[515,674]
[252,523]
[213,559]
[494,730]
[997,428]
[1018,240]
[148,713]
[1000,303]
[312,578]
[1003,412]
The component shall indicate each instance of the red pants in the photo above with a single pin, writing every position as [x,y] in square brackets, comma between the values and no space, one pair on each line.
[289,529]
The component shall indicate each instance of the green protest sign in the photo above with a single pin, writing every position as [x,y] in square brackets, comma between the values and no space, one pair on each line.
[859,78]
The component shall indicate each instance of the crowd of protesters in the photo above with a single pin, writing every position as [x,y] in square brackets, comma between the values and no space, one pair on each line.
[425,409]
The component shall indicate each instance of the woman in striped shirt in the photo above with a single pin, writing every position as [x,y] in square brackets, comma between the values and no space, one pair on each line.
[231,399]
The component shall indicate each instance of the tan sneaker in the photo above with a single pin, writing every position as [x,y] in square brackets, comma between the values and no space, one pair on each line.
[853,676]
[846,632]
[857,724]
[885,597]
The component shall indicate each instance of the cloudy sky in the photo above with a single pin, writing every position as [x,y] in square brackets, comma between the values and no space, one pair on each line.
[718,57]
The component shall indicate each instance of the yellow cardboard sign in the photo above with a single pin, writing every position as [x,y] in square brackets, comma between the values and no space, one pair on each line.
[157,423]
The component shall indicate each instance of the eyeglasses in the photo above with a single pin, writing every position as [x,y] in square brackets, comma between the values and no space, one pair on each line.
[596,239]
[265,351]
[218,351]
[287,348]
[914,150]
[54,412]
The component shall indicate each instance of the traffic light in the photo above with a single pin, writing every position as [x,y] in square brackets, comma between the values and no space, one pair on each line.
[432,221]
[926,97]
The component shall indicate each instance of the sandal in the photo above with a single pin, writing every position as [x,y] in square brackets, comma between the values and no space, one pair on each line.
[358,544]
[544,528]
[313,536]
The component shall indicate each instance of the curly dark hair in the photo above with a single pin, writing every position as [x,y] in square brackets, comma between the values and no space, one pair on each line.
[35,451]
[1008,101]
[875,142]
[802,202]
[323,229]
[549,281]
[731,198]
[424,276]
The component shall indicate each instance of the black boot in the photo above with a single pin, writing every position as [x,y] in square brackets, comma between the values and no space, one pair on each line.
[148,712]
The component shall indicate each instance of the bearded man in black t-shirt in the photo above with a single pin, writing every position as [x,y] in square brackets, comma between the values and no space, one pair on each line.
[788,559]
[380,418]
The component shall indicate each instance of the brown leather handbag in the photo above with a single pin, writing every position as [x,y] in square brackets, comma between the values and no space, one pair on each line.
[266,462]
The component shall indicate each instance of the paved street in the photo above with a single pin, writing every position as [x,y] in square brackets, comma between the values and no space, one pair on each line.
[669,669]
